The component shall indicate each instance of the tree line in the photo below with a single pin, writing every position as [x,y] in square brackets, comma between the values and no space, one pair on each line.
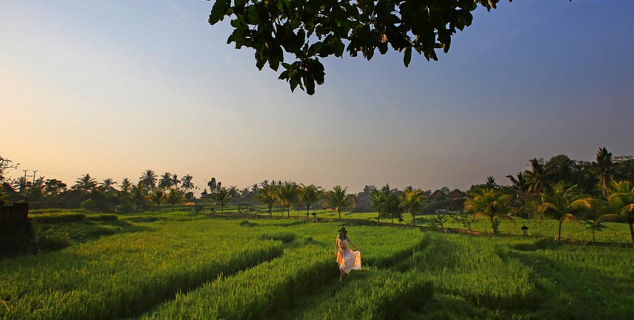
[560,188]
[563,189]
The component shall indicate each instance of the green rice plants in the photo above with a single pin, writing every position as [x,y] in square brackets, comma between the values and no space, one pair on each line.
[102,217]
[257,292]
[374,295]
[285,237]
[58,217]
[470,267]
[124,275]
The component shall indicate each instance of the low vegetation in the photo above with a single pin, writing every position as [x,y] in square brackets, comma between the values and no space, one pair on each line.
[186,266]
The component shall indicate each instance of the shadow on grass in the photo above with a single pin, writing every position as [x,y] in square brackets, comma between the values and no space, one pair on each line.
[53,237]
[569,291]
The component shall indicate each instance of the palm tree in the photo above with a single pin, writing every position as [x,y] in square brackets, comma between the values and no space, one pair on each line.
[175,180]
[254,188]
[603,168]
[187,183]
[222,196]
[267,195]
[139,196]
[148,179]
[491,204]
[392,204]
[174,197]
[157,197]
[621,198]
[125,185]
[309,195]
[338,199]
[165,182]
[85,183]
[21,184]
[287,194]
[411,201]
[107,184]
[124,194]
[490,182]
[537,176]
[378,200]
[561,202]
[521,184]
[212,185]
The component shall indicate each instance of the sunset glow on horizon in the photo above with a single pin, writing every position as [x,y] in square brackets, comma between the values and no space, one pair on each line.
[113,89]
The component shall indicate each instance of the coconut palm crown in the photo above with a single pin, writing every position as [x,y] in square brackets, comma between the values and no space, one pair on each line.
[621,199]
[561,202]
[490,204]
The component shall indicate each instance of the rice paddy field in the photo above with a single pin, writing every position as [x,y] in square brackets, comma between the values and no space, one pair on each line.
[185,266]
[574,230]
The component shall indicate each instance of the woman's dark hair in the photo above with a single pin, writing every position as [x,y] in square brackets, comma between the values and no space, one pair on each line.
[345,233]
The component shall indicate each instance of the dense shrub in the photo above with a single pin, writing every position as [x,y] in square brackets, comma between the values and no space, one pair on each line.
[102,217]
[89,205]
[58,217]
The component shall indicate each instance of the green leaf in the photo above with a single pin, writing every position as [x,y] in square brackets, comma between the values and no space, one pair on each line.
[407,56]
[218,11]
[293,82]
[309,81]
[252,15]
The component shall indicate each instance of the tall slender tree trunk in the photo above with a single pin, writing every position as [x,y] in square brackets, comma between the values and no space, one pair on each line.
[495,230]
[271,211]
[288,211]
[173,207]
[378,218]
[632,232]
[413,219]
[559,230]
[307,211]
[339,213]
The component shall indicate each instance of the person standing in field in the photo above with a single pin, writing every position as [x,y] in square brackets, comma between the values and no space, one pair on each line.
[347,259]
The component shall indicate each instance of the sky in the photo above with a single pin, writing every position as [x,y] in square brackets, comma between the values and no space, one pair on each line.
[113,88]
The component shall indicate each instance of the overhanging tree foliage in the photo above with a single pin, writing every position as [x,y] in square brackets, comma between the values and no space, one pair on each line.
[311,29]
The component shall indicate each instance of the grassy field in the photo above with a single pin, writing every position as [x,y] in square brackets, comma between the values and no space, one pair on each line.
[612,232]
[183,266]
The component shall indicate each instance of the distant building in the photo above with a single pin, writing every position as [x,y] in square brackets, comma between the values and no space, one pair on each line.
[458,199]
[437,195]
[11,195]
[457,194]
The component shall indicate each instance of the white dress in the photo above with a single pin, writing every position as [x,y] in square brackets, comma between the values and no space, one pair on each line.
[347,259]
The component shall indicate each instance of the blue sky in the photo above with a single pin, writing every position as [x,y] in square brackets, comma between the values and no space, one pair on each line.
[113,88]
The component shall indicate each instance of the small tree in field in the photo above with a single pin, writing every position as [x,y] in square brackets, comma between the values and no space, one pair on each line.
[157,197]
[267,195]
[560,202]
[139,196]
[411,201]
[174,197]
[338,199]
[490,204]
[287,194]
[222,196]
[621,199]
[309,195]
[378,201]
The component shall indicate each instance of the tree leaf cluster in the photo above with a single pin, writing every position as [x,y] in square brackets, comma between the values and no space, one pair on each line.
[307,30]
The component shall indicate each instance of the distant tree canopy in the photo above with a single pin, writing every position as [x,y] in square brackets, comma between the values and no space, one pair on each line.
[311,29]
